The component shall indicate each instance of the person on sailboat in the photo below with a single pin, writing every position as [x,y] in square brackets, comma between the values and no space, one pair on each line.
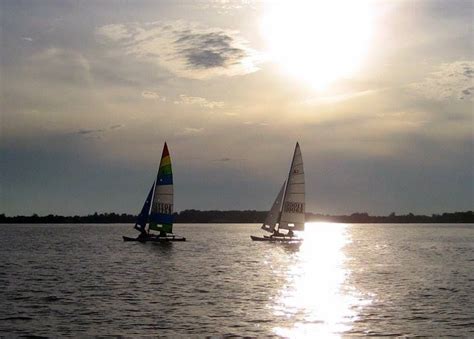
[290,233]
[276,233]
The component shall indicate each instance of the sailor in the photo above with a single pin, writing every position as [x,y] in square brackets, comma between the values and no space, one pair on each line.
[290,233]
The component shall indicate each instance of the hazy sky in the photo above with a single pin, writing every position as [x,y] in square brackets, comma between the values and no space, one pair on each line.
[379,94]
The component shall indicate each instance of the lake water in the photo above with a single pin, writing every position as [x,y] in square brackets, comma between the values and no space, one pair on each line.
[344,280]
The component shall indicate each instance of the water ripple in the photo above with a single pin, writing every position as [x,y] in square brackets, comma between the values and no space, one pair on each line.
[344,280]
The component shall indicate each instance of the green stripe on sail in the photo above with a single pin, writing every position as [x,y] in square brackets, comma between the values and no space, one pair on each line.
[166,169]
[168,228]
[155,227]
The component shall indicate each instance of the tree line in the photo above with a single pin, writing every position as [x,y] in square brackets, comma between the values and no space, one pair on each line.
[247,216]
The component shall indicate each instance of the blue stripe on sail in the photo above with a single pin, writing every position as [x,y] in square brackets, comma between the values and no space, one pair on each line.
[160,218]
[165,179]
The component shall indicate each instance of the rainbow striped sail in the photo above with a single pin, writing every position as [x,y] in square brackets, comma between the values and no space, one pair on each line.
[161,214]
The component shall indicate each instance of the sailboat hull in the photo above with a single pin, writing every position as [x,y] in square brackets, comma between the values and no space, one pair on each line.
[276,239]
[155,239]
[129,239]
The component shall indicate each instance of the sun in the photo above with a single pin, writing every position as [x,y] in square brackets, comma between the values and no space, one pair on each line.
[317,41]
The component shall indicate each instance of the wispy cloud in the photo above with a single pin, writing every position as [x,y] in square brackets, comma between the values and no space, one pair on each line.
[26,38]
[117,126]
[90,131]
[450,81]
[190,131]
[98,131]
[152,95]
[340,97]
[199,101]
[61,65]
[467,92]
[185,49]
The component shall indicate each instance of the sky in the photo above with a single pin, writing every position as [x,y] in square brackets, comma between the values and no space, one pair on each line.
[378,93]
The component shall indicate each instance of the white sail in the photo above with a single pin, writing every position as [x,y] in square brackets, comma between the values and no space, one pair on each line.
[293,211]
[274,214]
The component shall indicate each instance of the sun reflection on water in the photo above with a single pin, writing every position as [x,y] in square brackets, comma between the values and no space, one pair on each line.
[314,300]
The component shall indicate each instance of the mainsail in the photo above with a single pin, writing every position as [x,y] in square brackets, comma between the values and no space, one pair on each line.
[272,217]
[293,211]
[161,215]
[143,216]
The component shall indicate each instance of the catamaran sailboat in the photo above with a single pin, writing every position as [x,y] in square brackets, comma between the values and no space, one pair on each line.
[160,197]
[288,209]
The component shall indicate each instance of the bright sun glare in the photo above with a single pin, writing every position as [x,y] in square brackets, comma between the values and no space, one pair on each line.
[315,299]
[317,41]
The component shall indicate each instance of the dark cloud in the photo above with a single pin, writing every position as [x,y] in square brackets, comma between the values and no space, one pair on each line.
[90,131]
[208,50]
[467,92]
[468,72]
[98,130]
[226,159]
[204,59]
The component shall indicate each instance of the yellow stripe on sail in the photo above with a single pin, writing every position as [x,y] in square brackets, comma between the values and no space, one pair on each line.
[165,161]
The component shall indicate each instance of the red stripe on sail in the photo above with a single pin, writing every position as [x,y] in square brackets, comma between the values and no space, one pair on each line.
[165,151]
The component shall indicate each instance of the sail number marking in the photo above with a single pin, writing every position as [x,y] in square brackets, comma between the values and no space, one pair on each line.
[294,207]
[164,208]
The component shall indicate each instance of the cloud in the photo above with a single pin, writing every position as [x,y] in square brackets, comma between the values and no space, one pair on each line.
[96,132]
[58,65]
[90,131]
[202,102]
[231,114]
[208,49]
[224,6]
[450,81]
[189,131]
[152,95]
[467,92]
[26,38]
[115,32]
[117,126]
[185,49]
[340,97]
[226,159]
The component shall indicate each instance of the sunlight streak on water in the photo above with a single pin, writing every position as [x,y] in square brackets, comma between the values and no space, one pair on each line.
[314,298]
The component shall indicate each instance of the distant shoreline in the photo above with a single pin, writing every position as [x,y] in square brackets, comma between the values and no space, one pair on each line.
[248,216]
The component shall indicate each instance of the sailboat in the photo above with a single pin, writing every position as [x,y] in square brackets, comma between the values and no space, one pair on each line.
[157,211]
[288,209]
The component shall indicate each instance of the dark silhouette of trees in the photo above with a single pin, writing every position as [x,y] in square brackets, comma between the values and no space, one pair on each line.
[249,216]
[456,217]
